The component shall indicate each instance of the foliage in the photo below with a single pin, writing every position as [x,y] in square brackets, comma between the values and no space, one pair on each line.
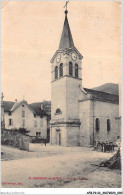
[21,130]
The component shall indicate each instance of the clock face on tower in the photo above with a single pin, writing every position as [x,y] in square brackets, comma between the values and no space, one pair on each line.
[58,58]
[73,56]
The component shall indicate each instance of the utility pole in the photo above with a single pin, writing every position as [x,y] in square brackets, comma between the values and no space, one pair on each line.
[93,121]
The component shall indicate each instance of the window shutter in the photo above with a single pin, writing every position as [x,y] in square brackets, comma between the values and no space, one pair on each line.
[8,122]
[56,72]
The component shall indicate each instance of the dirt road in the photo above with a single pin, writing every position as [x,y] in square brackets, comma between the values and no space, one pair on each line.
[58,167]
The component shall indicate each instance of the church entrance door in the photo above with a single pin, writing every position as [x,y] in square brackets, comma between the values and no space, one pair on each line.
[58,137]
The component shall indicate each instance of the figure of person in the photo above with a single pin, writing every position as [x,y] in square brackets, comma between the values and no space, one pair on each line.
[45,141]
[105,147]
[102,144]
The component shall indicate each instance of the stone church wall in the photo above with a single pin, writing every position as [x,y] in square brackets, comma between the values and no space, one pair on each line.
[72,136]
[58,96]
[85,114]
[104,111]
[55,131]
[89,111]
[72,96]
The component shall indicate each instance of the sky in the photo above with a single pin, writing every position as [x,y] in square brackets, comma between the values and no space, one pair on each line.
[30,35]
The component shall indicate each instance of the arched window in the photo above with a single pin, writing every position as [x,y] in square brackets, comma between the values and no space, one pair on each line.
[108,125]
[61,70]
[56,72]
[97,124]
[58,111]
[76,70]
[70,68]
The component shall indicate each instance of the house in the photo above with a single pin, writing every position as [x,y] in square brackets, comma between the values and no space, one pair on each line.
[23,115]
[46,106]
[79,116]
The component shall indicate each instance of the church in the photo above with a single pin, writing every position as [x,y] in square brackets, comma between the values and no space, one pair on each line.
[79,116]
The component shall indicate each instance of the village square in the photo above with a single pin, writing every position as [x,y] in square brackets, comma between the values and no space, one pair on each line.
[72,140]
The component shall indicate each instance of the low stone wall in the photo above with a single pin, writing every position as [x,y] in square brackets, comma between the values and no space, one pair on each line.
[15,139]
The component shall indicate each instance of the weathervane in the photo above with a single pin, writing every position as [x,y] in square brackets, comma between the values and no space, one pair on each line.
[66,7]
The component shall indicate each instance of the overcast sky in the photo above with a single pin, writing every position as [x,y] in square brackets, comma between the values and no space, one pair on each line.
[30,35]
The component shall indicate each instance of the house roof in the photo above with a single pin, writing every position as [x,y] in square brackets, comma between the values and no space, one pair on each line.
[17,104]
[103,96]
[47,106]
[7,105]
[66,37]
[36,108]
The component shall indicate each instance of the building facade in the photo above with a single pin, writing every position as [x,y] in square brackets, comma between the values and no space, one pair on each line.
[99,112]
[22,115]
[79,116]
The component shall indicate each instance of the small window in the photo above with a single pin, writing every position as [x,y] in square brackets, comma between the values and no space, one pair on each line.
[97,125]
[58,130]
[108,125]
[34,115]
[10,122]
[76,70]
[38,133]
[23,123]
[23,113]
[56,72]
[61,70]
[22,105]
[35,123]
[70,68]
[58,111]
[9,113]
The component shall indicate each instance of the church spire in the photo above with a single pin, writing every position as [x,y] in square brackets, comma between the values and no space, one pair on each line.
[66,37]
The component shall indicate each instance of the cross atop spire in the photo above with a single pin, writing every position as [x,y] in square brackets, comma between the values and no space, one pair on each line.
[66,37]
[66,7]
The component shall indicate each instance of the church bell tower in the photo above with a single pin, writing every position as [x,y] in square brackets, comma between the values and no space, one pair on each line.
[65,85]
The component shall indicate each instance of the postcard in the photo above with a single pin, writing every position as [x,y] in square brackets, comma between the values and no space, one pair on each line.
[61,97]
